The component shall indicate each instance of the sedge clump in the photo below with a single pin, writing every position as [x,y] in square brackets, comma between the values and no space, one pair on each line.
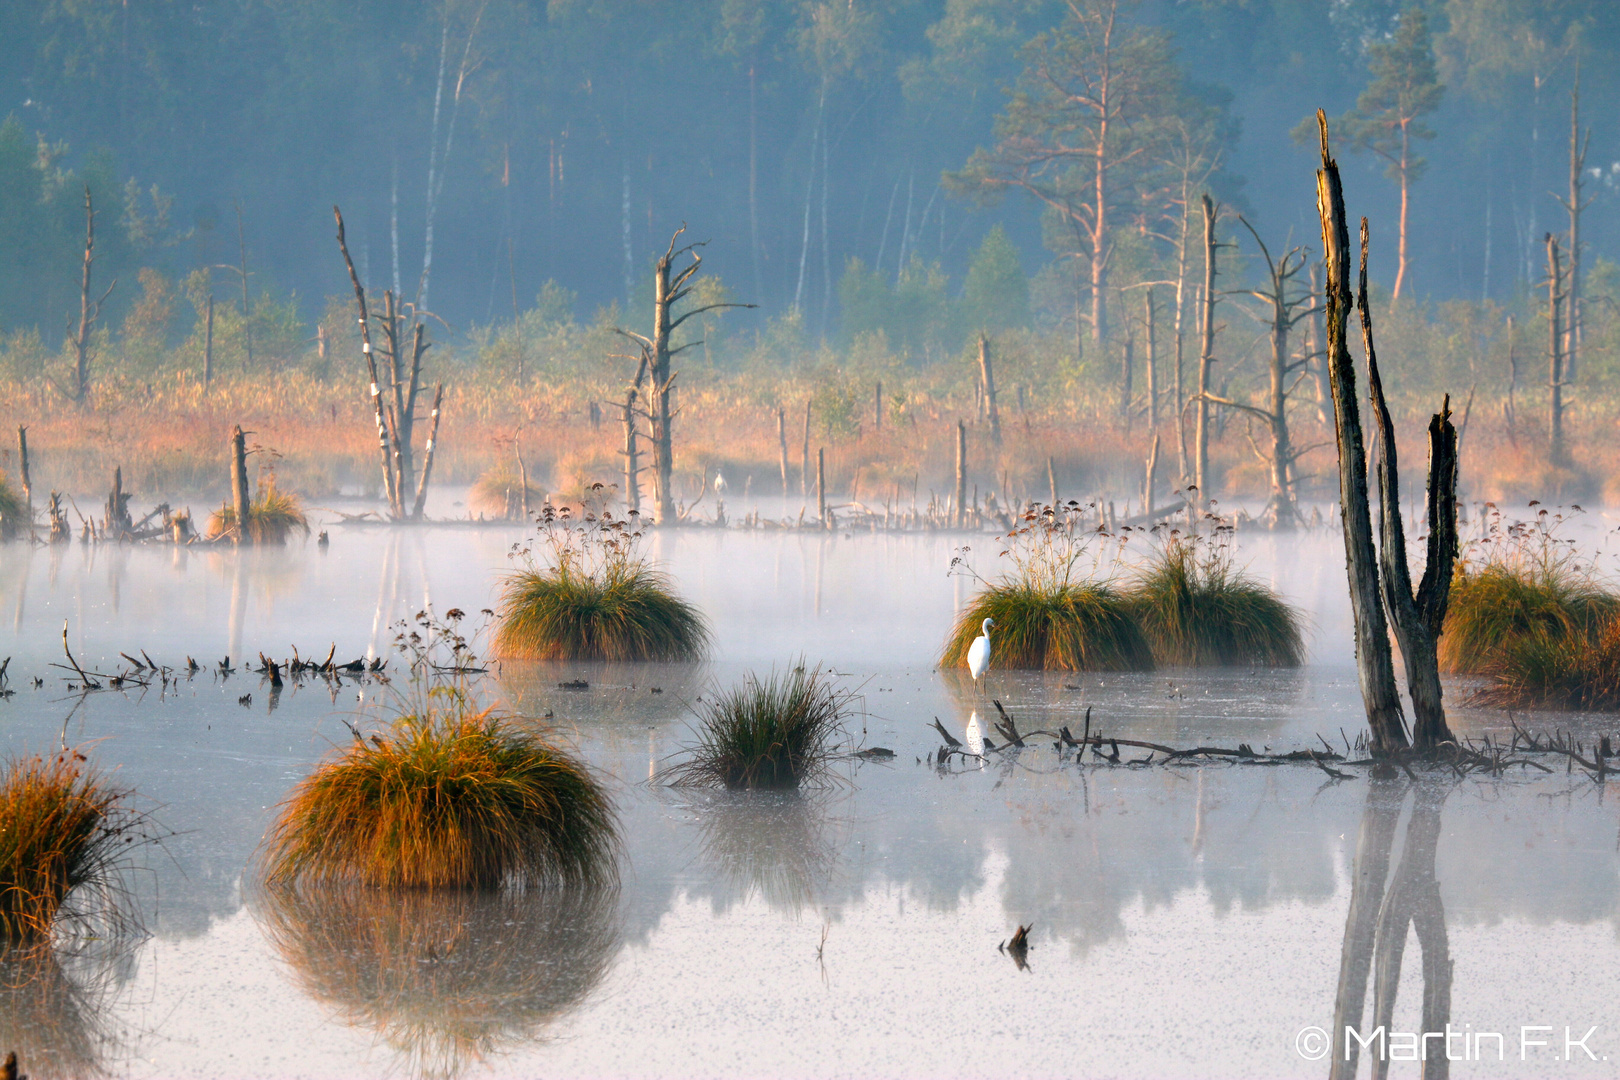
[592,594]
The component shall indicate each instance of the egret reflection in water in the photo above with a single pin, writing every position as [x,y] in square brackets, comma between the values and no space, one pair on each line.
[446,978]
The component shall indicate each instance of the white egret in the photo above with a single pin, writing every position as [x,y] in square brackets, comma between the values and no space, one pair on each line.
[979,652]
[719,485]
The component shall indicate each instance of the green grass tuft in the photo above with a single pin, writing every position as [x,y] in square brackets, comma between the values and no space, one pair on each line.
[1199,611]
[623,611]
[62,827]
[766,733]
[446,797]
[1071,626]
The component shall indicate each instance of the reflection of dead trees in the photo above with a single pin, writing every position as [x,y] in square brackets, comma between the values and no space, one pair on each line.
[1376,928]
[446,978]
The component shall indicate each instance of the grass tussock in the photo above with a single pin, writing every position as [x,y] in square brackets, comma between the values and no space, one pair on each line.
[446,797]
[273,516]
[447,979]
[499,492]
[775,733]
[63,827]
[1555,670]
[1197,610]
[595,598]
[1080,626]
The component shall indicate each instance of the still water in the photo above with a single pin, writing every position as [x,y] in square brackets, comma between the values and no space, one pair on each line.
[1185,922]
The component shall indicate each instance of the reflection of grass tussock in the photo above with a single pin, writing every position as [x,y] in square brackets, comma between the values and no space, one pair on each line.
[54,1015]
[446,978]
[13,511]
[1502,606]
[273,516]
[446,797]
[63,827]
[1073,626]
[1201,611]
[766,733]
[770,843]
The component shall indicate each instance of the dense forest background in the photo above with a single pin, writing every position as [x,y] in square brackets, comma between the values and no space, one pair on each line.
[884,179]
[566,139]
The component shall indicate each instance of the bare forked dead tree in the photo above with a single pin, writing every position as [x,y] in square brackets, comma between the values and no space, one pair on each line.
[1284,307]
[670,287]
[395,389]
[89,310]
[1381,587]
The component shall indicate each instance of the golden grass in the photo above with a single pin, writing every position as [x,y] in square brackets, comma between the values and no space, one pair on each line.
[63,826]
[1196,610]
[1081,626]
[446,797]
[447,979]
[1556,670]
[499,489]
[273,516]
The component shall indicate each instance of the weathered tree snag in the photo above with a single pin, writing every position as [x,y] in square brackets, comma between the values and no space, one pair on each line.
[670,287]
[1151,481]
[1573,205]
[427,456]
[239,484]
[89,310]
[1557,452]
[1051,481]
[804,458]
[1417,619]
[27,483]
[208,343]
[961,474]
[1374,664]
[1373,842]
[988,381]
[1206,353]
[821,485]
[61,531]
[116,521]
[1150,359]
[781,446]
[383,434]
[632,452]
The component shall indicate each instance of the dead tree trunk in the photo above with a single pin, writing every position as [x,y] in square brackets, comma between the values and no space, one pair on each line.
[1557,452]
[89,310]
[987,378]
[208,343]
[632,463]
[1151,481]
[804,458]
[781,446]
[670,287]
[821,485]
[961,474]
[1418,617]
[384,434]
[1573,205]
[1206,353]
[1150,359]
[27,483]
[1374,663]
[239,485]
[1316,351]
[427,453]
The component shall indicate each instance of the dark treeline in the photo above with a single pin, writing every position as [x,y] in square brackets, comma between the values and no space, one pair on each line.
[482,147]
